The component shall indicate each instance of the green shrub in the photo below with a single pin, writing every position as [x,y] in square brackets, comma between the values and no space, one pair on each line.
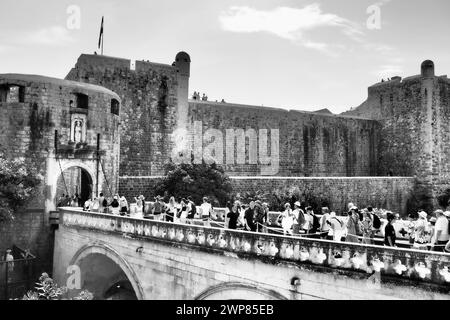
[197,181]
[19,180]
[47,289]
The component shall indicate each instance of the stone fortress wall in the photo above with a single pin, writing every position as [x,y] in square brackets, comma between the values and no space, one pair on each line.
[310,144]
[149,101]
[415,137]
[37,119]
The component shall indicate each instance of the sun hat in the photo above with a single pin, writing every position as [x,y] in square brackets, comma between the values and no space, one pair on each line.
[447,214]
[297,203]
[423,214]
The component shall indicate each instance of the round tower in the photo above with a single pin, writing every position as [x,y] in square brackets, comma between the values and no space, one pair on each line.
[427,69]
[183,65]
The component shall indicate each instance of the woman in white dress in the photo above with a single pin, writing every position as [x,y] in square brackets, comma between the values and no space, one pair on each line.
[171,210]
[184,210]
[139,207]
[287,219]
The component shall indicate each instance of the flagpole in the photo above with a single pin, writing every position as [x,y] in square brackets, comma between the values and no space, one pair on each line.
[103,35]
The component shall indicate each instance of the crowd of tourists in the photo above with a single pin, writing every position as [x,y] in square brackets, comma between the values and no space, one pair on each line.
[363,226]
[422,231]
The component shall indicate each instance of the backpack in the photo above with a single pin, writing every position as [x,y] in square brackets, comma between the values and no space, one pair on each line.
[316,223]
[376,222]
[104,203]
[193,209]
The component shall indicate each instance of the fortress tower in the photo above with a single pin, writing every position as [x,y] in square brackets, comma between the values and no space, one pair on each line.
[183,65]
[415,136]
[69,132]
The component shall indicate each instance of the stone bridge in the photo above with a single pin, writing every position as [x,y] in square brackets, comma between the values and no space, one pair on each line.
[121,257]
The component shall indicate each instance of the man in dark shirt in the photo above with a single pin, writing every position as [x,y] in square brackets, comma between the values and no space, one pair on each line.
[250,224]
[389,231]
[260,214]
[233,215]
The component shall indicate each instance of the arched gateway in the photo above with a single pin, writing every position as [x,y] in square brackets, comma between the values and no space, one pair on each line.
[106,274]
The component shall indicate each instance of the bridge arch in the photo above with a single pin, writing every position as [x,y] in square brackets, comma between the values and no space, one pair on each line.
[239,291]
[89,256]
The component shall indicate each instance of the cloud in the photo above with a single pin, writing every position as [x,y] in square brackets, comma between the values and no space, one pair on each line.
[54,35]
[388,71]
[287,23]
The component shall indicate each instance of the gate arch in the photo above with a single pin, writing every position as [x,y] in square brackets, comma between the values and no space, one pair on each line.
[101,248]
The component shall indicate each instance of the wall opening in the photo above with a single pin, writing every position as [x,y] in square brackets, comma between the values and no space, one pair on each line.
[115,107]
[105,278]
[73,181]
[82,101]
[12,93]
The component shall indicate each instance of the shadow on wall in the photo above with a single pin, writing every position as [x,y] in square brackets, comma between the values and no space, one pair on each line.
[421,198]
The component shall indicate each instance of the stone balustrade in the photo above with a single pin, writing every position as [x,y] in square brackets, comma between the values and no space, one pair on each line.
[421,267]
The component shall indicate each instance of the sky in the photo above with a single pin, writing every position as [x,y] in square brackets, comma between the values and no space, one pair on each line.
[292,54]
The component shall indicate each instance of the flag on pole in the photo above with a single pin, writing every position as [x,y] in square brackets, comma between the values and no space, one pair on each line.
[101,34]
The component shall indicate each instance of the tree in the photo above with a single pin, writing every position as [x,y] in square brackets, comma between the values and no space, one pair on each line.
[197,181]
[47,289]
[18,184]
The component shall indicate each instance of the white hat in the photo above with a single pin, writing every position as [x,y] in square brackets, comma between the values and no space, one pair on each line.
[297,203]
[447,214]
[423,214]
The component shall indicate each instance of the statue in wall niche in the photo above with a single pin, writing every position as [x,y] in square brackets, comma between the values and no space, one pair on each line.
[78,131]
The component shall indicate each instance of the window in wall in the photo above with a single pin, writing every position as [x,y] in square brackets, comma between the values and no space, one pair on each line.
[115,106]
[12,93]
[82,101]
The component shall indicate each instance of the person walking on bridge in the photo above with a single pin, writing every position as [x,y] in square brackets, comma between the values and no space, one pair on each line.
[250,223]
[324,224]
[353,226]
[441,230]
[389,231]
[299,218]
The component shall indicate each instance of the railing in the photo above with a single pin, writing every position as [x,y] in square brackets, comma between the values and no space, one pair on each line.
[16,275]
[394,263]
